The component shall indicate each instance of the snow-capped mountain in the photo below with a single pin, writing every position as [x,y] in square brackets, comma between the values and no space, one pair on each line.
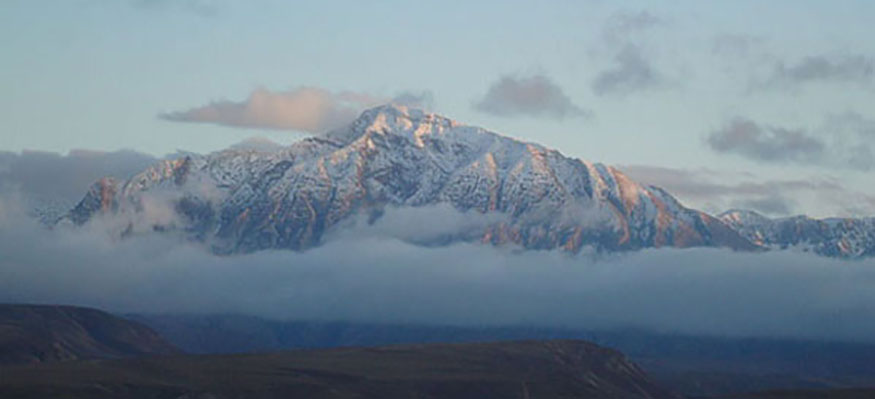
[836,237]
[241,200]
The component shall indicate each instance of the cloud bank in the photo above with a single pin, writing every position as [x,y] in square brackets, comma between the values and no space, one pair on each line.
[308,109]
[373,276]
[534,96]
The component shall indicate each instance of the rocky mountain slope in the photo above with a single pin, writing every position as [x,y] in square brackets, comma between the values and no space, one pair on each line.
[531,369]
[835,237]
[42,333]
[241,200]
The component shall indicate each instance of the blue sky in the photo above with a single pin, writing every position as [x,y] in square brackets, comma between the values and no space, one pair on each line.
[727,92]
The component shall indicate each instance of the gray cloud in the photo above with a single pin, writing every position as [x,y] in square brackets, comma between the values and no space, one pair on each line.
[841,141]
[858,69]
[766,143]
[621,26]
[50,180]
[308,109]
[535,96]
[630,72]
[774,205]
[418,99]
[630,69]
[717,191]
[377,278]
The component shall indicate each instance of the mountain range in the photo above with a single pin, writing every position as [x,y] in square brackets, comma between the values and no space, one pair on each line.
[241,200]
[835,237]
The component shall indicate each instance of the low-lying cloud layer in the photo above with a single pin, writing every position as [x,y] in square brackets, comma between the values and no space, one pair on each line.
[308,109]
[376,277]
[535,96]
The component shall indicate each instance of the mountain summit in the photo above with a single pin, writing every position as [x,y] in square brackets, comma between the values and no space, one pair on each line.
[242,200]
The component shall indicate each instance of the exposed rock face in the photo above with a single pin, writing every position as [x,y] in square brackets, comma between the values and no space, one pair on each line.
[43,333]
[392,156]
[835,237]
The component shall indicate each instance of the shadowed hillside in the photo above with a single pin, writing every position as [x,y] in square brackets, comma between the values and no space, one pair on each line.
[694,365]
[529,369]
[44,333]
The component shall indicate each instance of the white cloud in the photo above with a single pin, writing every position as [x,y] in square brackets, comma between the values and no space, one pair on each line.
[308,109]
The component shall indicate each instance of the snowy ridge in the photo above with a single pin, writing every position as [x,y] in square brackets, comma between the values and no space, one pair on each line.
[242,200]
[835,237]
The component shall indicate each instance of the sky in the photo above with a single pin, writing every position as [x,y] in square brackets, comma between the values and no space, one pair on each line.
[762,105]
[726,104]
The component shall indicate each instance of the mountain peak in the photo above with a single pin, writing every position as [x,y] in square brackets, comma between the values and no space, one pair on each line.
[392,119]
[398,156]
[742,216]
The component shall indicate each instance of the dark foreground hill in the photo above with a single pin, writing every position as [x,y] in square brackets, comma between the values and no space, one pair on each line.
[43,333]
[693,365]
[522,369]
[860,393]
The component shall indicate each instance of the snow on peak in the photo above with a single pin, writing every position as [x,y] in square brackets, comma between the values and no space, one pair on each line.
[743,216]
[393,119]
[398,156]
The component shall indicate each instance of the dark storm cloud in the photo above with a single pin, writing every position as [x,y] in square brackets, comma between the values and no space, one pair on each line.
[378,278]
[766,143]
[308,109]
[535,96]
